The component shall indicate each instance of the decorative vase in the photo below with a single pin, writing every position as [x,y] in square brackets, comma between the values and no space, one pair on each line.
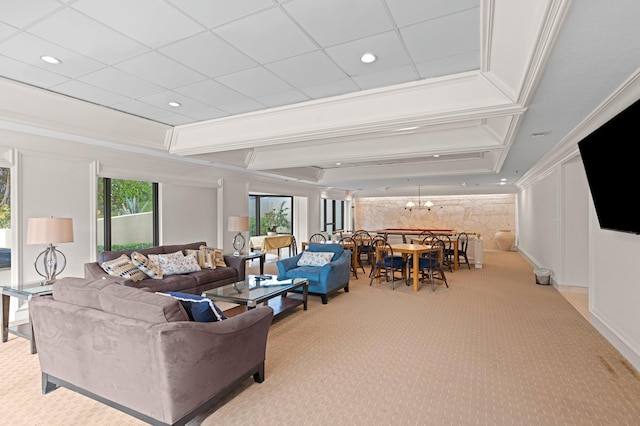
[270,233]
[505,239]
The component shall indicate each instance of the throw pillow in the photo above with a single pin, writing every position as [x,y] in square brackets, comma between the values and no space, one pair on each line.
[205,258]
[123,267]
[199,308]
[315,258]
[217,254]
[175,263]
[147,266]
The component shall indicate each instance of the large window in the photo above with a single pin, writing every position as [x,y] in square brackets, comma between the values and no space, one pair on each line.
[127,214]
[270,213]
[332,215]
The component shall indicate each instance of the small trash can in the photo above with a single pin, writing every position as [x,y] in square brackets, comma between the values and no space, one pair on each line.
[543,276]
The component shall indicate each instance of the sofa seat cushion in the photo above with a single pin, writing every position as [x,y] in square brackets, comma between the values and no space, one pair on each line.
[141,305]
[169,283]
[199,308]
[205,276]
[312,273]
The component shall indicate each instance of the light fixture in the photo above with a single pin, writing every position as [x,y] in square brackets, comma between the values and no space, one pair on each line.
[239,224]
[410,204]
[174,104]
[49,230]
[50,59]
[368,58]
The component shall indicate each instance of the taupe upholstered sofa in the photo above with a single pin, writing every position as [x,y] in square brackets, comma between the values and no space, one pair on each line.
[138,352]
[193,282]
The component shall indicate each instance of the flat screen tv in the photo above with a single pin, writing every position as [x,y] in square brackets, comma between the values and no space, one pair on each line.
[610,163]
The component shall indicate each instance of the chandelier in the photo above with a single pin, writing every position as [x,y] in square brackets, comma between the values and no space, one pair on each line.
[410,204]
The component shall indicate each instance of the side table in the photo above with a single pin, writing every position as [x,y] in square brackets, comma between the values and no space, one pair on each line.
[25,292]
[251,256]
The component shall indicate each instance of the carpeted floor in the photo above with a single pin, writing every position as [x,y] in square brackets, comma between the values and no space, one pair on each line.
[493,349]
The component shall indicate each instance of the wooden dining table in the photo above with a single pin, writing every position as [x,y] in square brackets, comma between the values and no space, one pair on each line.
[454,244]
[415,250]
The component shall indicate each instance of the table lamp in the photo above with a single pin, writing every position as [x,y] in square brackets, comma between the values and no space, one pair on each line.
[50,230]
[239,224]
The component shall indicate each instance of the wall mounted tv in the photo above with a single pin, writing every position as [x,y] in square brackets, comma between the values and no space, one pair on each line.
[610,163]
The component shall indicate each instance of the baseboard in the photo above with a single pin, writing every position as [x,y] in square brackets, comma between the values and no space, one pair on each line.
[618,342]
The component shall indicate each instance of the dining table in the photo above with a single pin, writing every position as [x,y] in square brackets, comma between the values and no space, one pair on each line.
[415,250]
[454,244]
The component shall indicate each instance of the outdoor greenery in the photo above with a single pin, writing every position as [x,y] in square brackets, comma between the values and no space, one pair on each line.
[5,198]
[126,247]
[127,197]
[276,218]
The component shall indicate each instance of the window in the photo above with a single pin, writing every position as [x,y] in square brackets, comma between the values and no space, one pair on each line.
[332,215]
[270,213]
[127,214]
[5,218]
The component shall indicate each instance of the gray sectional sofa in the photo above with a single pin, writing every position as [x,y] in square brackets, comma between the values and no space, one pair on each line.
[137,351]
[193,282]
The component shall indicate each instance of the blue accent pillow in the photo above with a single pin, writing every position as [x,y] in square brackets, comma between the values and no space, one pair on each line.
[199,308]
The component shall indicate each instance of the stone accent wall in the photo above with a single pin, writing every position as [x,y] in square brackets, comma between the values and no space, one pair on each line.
[481,214]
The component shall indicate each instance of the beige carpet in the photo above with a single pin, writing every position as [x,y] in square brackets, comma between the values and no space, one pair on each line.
[493,349]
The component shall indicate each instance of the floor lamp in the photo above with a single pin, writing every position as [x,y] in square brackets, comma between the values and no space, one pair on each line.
[238,224]
[50,230]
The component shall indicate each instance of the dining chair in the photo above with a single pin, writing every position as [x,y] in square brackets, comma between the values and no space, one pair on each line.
[463,243]
[317,238]
[364,246]
[350,244]
[294,247]
[375,242]
[430,264]
[447,258]
[387,264]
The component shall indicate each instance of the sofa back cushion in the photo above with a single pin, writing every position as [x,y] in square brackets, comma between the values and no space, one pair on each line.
[337,249]
[145,306]
[79,291]
[110,255]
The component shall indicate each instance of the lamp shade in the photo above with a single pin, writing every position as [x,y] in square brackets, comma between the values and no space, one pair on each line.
[49,230]
[239,223]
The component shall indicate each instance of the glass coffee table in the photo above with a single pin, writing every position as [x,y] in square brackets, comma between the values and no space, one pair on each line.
[267,289]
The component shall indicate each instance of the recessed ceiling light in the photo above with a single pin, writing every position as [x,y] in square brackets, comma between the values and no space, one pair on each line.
[368,58]
[174,104]
[337,164]
[503,183]
[503,180]
[436,155]
[50,59]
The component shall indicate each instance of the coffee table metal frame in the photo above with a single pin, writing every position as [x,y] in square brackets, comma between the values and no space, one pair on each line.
[269,290]
[25,292]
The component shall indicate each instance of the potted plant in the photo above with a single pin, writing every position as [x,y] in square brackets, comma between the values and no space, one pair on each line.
[276,218]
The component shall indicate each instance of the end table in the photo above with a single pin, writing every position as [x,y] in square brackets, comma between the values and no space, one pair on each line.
[25,292]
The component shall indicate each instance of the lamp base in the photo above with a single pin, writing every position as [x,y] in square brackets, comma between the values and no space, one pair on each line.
[238,244]
[49,263]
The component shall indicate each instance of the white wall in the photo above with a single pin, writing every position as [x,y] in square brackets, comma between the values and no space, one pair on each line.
[187,214]
[579,253]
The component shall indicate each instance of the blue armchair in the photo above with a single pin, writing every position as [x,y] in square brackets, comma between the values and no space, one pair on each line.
[322,279]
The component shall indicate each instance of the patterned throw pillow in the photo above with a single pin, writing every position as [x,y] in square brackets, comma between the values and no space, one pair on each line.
[205,258]
[123,267]
[198,308]
[175,263]
[146,265]
[315,258]
[218,255]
